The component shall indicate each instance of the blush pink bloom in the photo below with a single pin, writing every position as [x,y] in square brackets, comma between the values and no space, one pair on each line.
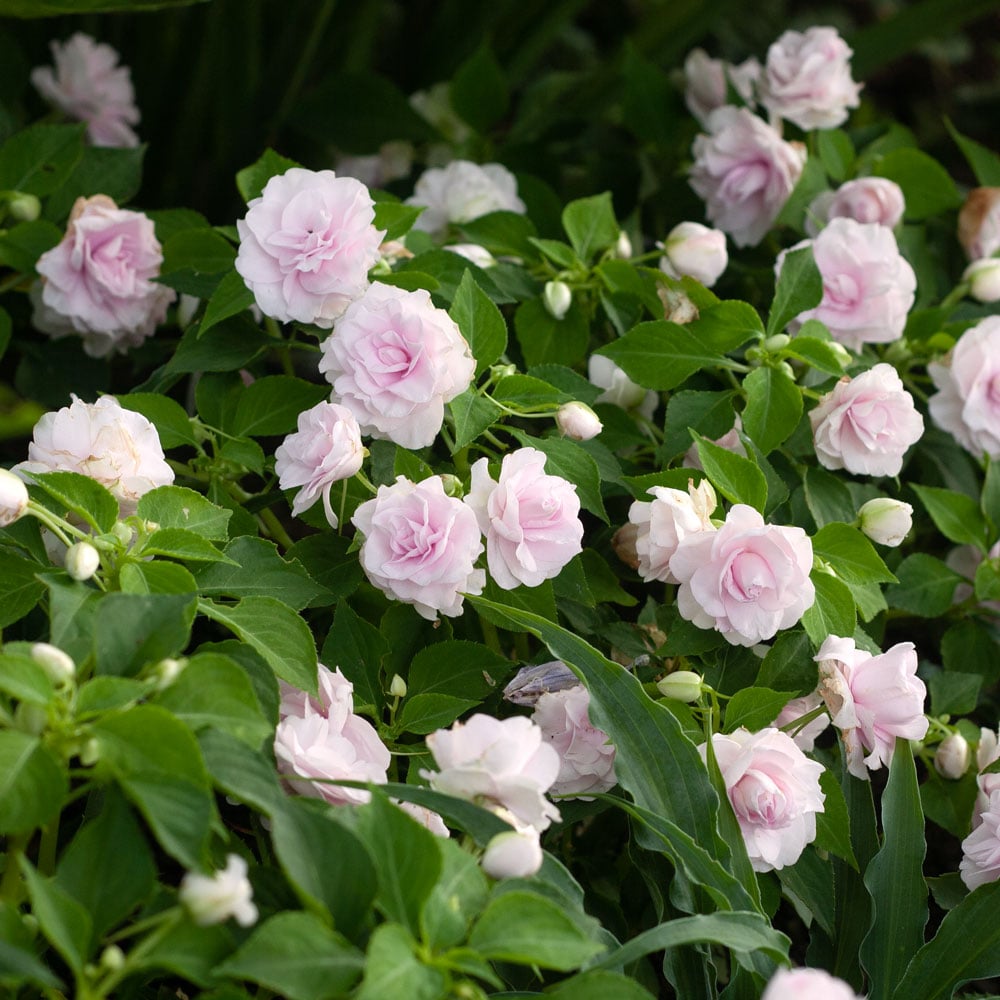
[967,403]
[98,280]
[745,172]
[88,84]
[463,191]
[987,752]
[394,361]
[420,546]
[872,699]
[807,79]
[774,790]
[115,446]
[979,223]
[695,251]
[707,81]
[500,764]
[531,520]
[865,424]
[307,244]
[981,849]
[807,984]
[320,739]
[587,759]
[325,449]
[797,708]
[662,522]
[868,199]
[747,580]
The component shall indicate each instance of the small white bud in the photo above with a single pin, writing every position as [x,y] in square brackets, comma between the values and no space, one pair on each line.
[82,560]
[623,247]
[557,298]
[886,521]
[397,687]
[90,753]
[123,532]
[777,341]
[23,207]
[681,685]
[696,251]
[213,899]
[13,497]
[578,421]
[112,958]
[513,854]
[983,277]
[30,718]
[167,671]
[58,666]
[951,759]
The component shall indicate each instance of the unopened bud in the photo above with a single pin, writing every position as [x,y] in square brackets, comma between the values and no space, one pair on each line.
[578,421]
[167,671]
[112,958]
[694,250]
[951,759]
[23,207]
[983,277]
[13,497]
[513,854]
[623,247]
[843,354]
[498,372]
[82,560]
[90,753]
[623,543]
[31,718]
[122,532]
[557,298]
[777,342]
[681,685]
[58,666]
[397,687]
[886,521]
[452,484]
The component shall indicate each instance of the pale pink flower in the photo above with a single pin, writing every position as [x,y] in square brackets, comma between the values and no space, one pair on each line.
[213,899]
[872,699]
[89,85]
[868,199]
[695,251]
[578,421]
[98,281]
[325,449]
[807,984]
[425,817]
[662,522]
[531,520]
[319,740]
[13,497]
[619,389]
[707,82]
[866,424]
[774,790]
[747,580]
[952,757]
[115,446]
[981,849]
[501,764]
[967,403]
[513,854]
[868,286]
[797,708]
[987,752]
[394,361]
[745,172]
[420,546]
[586,758]
[979,223]
[807,79]
[731,441]
[463,191]
[307,244]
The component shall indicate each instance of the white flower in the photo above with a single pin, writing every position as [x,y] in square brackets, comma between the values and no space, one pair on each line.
[13,497]
[212,899]
[463,191]
[618,388]
[513,854]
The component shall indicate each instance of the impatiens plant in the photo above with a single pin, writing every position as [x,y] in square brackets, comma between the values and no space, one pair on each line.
[425,572]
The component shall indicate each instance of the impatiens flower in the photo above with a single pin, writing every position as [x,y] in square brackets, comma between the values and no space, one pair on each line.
[664,521]
[618,388]
[866,424]
[578,421]
[987,782]
[707,82]
[531,520]
[89,85]
[807,79]
[695,251]
[513,854]
[499,764]
[967,403]
[325,449]
[981,849]
[307,244]
[13,497]
[420,546]
[747,580]
[873,700]
[745,172]
[213,899]
[394,361]
[98,280]
[807,984]
[115,446]
[952,757]
[587,759]
[463,191]
[868,286]
[774,790]
[319,740]
[868,199]
[979,223]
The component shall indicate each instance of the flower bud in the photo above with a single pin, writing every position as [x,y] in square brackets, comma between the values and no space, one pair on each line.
[397,687]
[578,421]
[23,207]
[58,666]
[112,958]
[167,671]
[452,485]
[623,542]
[983,277]
[90,753]
[843,354]
[31,718]
[513,854]
[696,251]
[82,560]
[681,685]
[557,298]
[677,307]
[122,532]
[951,759]
[13,497]
[886,521]
[623,248]
[777,342]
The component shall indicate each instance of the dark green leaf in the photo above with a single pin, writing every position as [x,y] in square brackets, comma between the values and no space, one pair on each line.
[851,555]
[547,340]
[132,630]
[179,507]
[80,495]
[774,406]
[479,90]
[735,477]
[33,783]
[39,159]
[590,224]
[926,586]
[755,708]
[956,515]
[251,180]
[172,423]
[833,612]
[927,187]
[63,921]
[20,588]
[472,414]
[480,321]
[231,296]
[799,288]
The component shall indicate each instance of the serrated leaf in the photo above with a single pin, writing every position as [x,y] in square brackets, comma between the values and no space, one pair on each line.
[179,507]
[590,224]
[33,783]
[737,478]
[473,414]
[956,515]
[799,288]
[480,321]
[251,180]
[774,406]
[833,611]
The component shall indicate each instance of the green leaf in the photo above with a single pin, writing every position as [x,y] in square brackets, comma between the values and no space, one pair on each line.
[425,713]
[926,586]
[202,251]
[954,693]
[298,956]
[33,783]
[827,497]
[472,414]
[837,153]
[24,243]
[709,413]
[502,233]
[275,631]
[22,678]
[116,173]
[327,560]
[984,162]
[816,352]
[478,90]
[810,880]
[189,951]
[251,180]
[789,665]
[547,340]
[774,406]
[833,612]
[529,392]
[304,840]
[156,578]
[799,288]
[927,186]
[231,296]
[956,515]
[358,647]
[232,345]
[20,588]
[102,694]
[179,543]
[63,921]
[480,321]
[560,253]
[73,607]
[80,495]
[272,404]
[851,554]
[833,825]
[457,898]
[395,219]
[393,971]
[590,224]
[245,774]
[132,630]
[528,929]
[172,423]
[737,478]
[540,600]
[179,507]
[456,667]
[39,159]
[755,708]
